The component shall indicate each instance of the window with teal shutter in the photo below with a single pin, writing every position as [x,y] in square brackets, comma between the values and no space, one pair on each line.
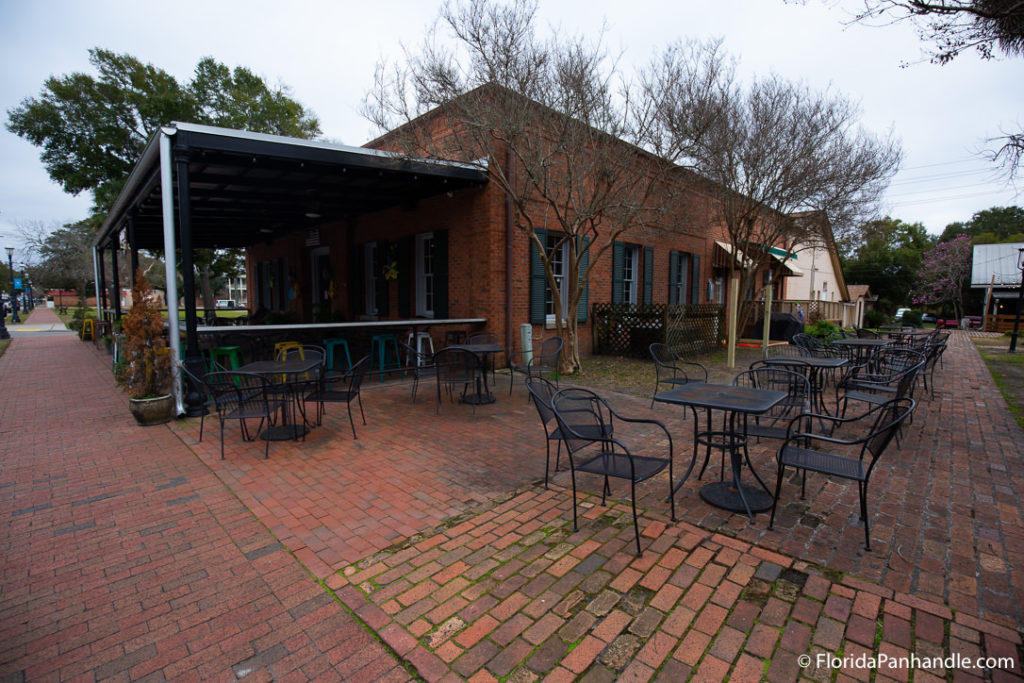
[695,275]
[648,274]
[538,281]
[618,269]
[584,302]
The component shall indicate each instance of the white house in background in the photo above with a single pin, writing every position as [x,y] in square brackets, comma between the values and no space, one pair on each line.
[823,276]
[237,291]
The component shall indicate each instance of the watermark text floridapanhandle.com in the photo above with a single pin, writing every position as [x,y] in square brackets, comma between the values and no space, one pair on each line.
[825,660]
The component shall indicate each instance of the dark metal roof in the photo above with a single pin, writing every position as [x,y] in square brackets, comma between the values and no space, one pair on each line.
[248,187]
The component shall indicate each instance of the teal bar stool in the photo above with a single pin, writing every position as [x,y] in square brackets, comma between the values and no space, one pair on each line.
[330,345]
[231,355]
[380,346]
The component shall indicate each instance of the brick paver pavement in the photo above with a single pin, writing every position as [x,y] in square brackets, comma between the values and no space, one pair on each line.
[125,557]
[434,532]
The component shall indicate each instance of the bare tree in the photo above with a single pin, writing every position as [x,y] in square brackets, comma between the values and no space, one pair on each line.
[548,120]
[767,151]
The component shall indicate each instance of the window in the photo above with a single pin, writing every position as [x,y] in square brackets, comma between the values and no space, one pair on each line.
[542,298]
[425,283]
[630,271]
[559,266]
[370,277]
[678,277]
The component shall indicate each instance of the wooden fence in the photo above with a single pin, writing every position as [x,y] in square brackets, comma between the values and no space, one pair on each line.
[629,329]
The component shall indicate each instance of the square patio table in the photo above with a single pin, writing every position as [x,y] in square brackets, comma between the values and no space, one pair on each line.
[862,346]
[734,495]
[288,369]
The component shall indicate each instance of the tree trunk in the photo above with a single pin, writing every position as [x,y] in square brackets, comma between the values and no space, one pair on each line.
[206,288]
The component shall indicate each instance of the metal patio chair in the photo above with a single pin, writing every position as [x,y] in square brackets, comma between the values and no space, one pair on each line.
[853,458]
[341,389]
[588,426]
[671,369]
[543,361]
[243,396]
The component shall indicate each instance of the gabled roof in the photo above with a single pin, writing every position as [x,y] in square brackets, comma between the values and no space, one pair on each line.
[249,187]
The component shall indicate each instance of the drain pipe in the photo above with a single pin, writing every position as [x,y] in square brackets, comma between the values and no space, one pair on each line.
[509,254]
[170,264]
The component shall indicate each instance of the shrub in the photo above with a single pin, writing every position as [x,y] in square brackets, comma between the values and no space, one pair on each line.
[822,328]
[875,318]
[912,318]
[146,362]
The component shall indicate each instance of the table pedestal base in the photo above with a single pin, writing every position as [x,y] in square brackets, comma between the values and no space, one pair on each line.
[478,399]
[284,432]
[723,494]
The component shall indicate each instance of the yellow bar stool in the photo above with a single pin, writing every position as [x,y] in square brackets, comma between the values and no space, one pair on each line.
[88,329]
[279,347]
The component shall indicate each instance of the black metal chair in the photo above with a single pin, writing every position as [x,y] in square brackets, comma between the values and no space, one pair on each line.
[301,384]
[866,334]
[421,364]
[933,356]
[671,369]
[846,458]
[588,427]
[775,423]
[195,381]
[243,396]
[455,367]
[542,391]
[543,361]
[341,389]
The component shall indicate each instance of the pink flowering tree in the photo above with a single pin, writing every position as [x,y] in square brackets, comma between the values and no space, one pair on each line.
[944,271]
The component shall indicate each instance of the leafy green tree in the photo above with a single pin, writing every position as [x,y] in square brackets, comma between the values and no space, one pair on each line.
[886,257]
[989,226]
[92,129]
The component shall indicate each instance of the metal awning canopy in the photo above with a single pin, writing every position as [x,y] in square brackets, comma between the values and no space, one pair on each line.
[244,188]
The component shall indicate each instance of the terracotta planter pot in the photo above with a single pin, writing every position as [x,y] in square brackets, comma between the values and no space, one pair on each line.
[152,411]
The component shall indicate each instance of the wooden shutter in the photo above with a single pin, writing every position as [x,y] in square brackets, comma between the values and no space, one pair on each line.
[695,279]
[673,276]
[648,295]
[538,280]
[584,302]
[618,268]
[406,275]
[440,273]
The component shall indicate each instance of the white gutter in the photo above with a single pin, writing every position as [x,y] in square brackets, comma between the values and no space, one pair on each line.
[170,264]
[96,284]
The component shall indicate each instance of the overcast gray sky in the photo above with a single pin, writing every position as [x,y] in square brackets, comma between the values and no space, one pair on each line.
[325,52]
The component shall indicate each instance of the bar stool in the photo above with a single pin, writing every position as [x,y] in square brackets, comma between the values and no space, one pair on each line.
[232,356]
[88,329]
[330,345]
[422,339]
[281,346]
[380,344]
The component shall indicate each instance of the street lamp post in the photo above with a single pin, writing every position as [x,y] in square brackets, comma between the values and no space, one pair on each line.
[14,297]
[1020,302]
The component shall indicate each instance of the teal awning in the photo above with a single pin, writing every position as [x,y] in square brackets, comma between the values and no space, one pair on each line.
[781,253]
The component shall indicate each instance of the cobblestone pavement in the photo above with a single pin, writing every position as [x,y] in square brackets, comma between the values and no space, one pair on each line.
[428,546]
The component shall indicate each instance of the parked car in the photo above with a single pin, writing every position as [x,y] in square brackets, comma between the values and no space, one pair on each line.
[899,314]
[928,318]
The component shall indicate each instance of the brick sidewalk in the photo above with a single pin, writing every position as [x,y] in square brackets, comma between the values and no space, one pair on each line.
[124,556]
[452,560]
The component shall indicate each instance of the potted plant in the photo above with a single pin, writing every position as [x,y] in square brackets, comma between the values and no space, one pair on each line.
[145,369]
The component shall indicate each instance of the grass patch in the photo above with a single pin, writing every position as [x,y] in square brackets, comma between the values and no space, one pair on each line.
[1007,370]
[3,346]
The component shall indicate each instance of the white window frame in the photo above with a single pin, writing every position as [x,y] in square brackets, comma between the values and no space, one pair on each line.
[630,272]
[425,282]
[370,278]
[561,278]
